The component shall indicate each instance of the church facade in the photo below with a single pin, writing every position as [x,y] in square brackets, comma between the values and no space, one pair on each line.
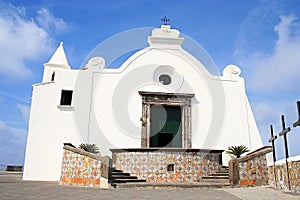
[161,97]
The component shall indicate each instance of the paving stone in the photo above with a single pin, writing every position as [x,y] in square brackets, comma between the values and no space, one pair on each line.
[12,188]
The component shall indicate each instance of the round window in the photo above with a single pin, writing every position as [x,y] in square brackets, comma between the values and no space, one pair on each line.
[165,79]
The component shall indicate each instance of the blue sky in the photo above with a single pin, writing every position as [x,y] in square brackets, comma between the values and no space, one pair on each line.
[262,37]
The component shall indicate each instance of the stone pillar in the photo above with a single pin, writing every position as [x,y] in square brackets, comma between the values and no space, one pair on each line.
[144,125]
[189,126]
[148,121]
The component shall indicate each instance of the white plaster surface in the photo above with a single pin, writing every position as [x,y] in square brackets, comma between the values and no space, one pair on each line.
[106,107]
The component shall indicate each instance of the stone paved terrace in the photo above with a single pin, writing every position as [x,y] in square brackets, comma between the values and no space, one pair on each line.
[12,187]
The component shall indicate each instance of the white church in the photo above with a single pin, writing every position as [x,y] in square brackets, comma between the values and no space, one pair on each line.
[160,97]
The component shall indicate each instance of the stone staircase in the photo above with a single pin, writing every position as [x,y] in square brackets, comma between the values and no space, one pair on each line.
[221,177]
[120,177]
[218,179]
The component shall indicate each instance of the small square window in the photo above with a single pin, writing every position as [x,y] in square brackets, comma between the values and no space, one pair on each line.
[170,168]
[66,97]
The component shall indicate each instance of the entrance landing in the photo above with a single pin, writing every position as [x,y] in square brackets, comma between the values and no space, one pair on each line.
[167,165]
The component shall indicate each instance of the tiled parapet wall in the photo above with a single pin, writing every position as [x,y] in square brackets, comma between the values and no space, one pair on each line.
[281,176]
[167,165]
[81,168]
[250,170]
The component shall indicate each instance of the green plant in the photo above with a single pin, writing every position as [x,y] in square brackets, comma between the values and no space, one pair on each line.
[92,148]
[237,150]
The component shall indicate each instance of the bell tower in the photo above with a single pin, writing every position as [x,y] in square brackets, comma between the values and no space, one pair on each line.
[57,61]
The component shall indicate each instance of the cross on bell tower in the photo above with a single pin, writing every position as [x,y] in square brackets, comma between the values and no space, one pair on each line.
[165,20]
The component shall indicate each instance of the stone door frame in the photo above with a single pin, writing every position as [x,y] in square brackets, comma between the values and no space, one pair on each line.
[167,99]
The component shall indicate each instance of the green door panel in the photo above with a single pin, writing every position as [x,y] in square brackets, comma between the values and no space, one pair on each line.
[165,128]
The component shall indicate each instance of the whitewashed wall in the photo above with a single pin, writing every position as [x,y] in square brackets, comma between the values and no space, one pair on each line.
[106,107]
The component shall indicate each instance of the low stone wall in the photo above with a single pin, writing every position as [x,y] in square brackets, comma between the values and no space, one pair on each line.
[281,175]
[250,170]
[81,168]
[167,165]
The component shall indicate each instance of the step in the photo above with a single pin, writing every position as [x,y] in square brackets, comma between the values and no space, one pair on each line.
[215,177]
[224,171]
[116,170]
[214,180]
[203,185]
[120,174]
[127,181]
[219,174]
[124,177]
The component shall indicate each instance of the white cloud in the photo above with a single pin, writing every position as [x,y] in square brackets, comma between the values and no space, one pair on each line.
[264,112]
[2,125]
[267,114]
[25,110]
[12,145]
[23,40]
[279,70]
[51,23]
[270,113]
[267,49]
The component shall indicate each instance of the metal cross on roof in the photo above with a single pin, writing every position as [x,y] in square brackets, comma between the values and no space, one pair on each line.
[297,123]
[165,20]
[272,139]
[283,133]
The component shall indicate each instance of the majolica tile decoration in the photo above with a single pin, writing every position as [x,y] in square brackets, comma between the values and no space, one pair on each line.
[168,166]
[281,175]
[80,168]
[253,171]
